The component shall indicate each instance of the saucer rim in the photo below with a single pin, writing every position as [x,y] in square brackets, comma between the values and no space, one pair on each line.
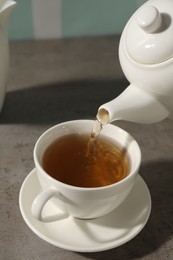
[68,247]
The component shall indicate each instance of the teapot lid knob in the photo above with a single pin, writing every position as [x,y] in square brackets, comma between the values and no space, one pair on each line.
[149,19]
[148,35]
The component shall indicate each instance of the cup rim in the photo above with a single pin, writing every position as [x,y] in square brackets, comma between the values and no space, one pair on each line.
[72,187]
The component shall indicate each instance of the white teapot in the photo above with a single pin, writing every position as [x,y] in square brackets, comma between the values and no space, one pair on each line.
[6,7]
[146,58]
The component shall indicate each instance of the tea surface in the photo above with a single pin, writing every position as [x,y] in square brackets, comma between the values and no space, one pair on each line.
[82,161]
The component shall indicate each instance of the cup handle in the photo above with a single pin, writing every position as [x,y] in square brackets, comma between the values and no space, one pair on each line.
[39,203]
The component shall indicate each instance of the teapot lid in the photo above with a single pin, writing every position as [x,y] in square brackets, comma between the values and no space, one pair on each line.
[149,33]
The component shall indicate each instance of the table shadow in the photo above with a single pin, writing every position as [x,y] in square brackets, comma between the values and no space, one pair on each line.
[51,104]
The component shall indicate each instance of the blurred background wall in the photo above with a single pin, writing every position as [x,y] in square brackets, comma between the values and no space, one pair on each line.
[41,19]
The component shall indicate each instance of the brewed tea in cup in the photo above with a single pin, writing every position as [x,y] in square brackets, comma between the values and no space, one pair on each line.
[86,177]
[83,161]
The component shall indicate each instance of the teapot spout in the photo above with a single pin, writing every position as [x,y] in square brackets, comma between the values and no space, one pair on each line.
[135,105]
[5,10]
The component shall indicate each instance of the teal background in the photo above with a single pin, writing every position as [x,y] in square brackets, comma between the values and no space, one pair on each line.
[95,17]
[21,23]
[78,18]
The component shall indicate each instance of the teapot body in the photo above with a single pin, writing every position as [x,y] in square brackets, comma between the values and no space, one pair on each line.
[146,58]
[6,8]
[156,79]
[146,50]
[4,64]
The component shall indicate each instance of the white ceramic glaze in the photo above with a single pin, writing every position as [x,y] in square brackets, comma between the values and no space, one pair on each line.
[146,58]
[79,202]
[93,235]
[6,6]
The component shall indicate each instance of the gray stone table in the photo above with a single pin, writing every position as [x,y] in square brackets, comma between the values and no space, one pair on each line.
[58,80]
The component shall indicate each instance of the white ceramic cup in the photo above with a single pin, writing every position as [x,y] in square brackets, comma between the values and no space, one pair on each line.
[81,202]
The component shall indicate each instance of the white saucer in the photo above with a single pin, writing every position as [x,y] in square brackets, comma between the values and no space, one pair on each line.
[107,232]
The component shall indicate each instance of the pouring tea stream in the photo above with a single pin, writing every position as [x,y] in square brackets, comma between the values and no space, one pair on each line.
[146,58]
